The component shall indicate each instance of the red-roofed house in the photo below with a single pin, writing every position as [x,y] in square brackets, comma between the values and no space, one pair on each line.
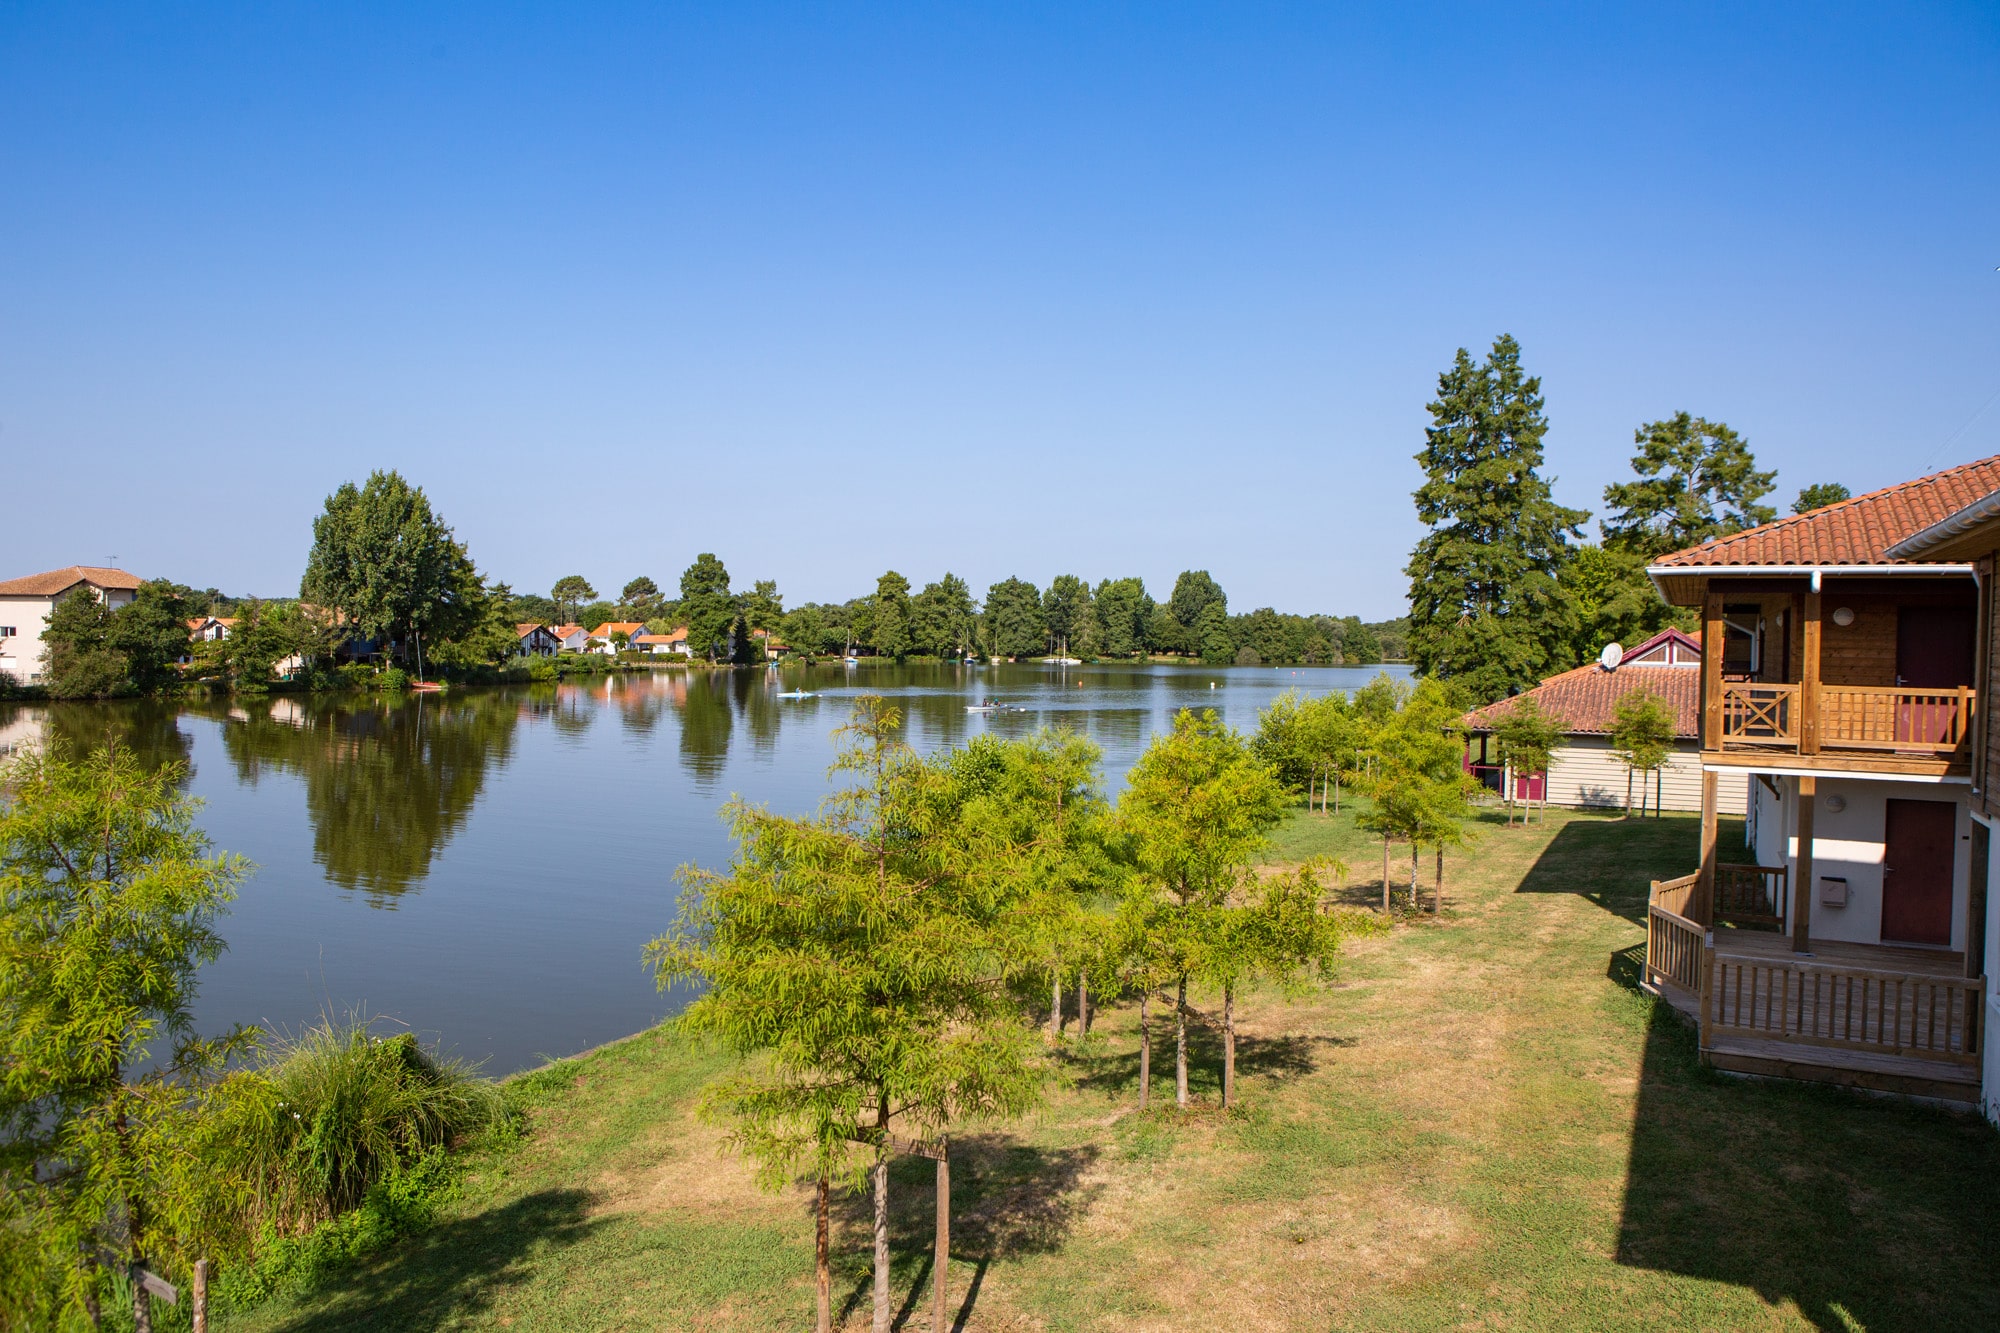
[601,640]
[570,638]
[673,643]
[25,604]
[1841,672]
[537,640]
[1583,772]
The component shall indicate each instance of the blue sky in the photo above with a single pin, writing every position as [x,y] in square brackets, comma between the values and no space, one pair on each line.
[1004,290]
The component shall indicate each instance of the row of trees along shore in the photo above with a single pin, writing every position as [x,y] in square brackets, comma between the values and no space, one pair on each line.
[890,968]
[1504,591]
[387,573]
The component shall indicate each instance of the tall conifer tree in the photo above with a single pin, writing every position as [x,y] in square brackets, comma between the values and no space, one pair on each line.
[1484,605]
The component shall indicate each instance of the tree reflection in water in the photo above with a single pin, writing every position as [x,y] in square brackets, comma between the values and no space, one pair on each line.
[707,722]
[388,781]
[143,728]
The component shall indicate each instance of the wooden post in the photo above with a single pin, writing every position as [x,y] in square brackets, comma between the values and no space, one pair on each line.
[1385,874]
[1704,893]
[941,1261]
[200,1300]
[1228,1047]
[1440,883]
[823,1259]
[1082,1003]
[1712,640]
[1808,724]
[1145,1046]
[1802,882]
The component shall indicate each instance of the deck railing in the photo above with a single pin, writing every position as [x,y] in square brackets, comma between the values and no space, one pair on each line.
[1751,896]
[1852,1008]
[1673,939]
[1851,717]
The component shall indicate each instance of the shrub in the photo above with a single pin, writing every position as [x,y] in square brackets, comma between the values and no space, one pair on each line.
[395,678]
[542,669]
[356,675]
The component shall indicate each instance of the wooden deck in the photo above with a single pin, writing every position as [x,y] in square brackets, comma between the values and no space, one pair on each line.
[1883,1017]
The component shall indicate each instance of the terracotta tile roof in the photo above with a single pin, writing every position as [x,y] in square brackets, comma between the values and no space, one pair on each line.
[523,631]
[1583,701]
[1859,531]
[565,631]
[610,627]
[57,581]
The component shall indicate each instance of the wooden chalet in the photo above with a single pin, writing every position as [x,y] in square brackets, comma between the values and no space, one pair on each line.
[1842,674]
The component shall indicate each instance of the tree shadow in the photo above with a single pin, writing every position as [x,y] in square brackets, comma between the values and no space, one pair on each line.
[1008,1199]
[1612,862]
[1290,1056]
[1865,1212]
[451,1274]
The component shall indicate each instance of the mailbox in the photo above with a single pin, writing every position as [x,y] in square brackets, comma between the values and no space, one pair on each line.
[1832,891]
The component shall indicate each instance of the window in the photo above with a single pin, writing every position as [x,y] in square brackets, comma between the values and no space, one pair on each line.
[6,631]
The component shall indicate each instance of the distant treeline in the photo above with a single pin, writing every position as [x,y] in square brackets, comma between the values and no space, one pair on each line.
[1117,618]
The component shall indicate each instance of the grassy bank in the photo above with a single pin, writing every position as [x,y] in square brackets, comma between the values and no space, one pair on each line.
[1482,1125]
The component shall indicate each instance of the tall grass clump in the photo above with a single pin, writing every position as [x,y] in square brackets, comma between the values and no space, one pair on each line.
[343,1109]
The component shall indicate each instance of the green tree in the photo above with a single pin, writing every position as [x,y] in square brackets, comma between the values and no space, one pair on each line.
[1819,495]
[1212,634]
[944,618]
[857,955]
[1696,479]
[892,616]
[1612,601]
[1484,600]
[80,662]
[387,563]
[151,631]
[806,630]
[1417,786]
[1527,737]
[1197,808]
[267,634]
[1194,593]
[1067,613]
[1014,623]
[1164,634]
[108,904]
[1642,737]
[1124,617]
[1358,644]
[708,608]
[569,595]
[641,594]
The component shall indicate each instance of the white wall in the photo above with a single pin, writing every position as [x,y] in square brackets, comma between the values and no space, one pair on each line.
[1584,772]
[1848,843]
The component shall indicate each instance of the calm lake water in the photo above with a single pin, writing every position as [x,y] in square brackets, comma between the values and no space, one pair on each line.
[485,866]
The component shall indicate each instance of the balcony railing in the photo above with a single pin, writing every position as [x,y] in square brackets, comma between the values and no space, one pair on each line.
[1851,717]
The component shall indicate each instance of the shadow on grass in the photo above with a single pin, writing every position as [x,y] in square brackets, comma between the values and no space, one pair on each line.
[1275,1058]
[1612,862]
[1865,1212]
[1008,1199]
[452,1273]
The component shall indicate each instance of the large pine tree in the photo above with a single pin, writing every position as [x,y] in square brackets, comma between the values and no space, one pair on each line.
[1485,607]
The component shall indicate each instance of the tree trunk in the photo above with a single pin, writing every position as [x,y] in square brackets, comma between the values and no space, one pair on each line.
[884,1311]
[1180,1044]
[823,1260]
[1385,874]
[1228,1047]
[1336,791]
[1145,1046]
[941,1260]
[1416,867]
[1082,1003]
[1628,793]
[1055,1007]
[1440,887]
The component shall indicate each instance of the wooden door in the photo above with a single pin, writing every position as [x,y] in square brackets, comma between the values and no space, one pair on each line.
[1934,651]
[1919,842]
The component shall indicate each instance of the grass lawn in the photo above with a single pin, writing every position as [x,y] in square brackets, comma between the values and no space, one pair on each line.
[1481,1125]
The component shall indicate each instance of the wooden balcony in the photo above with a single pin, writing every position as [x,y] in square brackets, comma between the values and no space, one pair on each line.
[1875,1016]
[1767,717]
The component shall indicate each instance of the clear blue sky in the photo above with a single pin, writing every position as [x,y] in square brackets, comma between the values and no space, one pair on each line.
[1006,289]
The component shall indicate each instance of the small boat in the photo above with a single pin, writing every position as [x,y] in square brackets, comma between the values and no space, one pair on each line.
[853,661]
[991,707]
[798,694]
[426,686]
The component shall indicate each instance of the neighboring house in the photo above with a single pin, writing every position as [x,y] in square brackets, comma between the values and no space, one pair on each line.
[773,646]
[1849,945]
[1583,772]
[25,604]
[673,643]
[537,641]
[601,640]
[570,638]
[210,629]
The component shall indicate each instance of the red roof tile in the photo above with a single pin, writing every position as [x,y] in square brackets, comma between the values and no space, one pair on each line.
[1859,531]
[1584,701]
[57,581]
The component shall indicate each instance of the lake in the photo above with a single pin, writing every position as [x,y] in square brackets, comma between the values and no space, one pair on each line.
[485,866]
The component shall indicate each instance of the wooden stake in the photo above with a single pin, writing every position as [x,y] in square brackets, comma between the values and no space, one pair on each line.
[201,1296]
[1082,1003]
[1385,874]
[823,1262]
[1228,1046]
[1145,1047]
[941,1261]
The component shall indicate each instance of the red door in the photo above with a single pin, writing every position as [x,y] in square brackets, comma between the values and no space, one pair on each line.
[1918,844]
[1934,651]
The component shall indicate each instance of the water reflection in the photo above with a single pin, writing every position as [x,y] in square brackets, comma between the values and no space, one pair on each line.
[388,781]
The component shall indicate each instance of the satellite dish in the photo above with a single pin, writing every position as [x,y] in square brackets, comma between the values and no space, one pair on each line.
[1611,657]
